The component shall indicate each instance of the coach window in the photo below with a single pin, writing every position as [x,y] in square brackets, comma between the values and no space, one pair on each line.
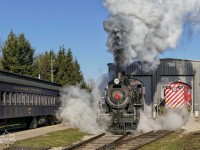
[189,91]
[23,98]
[4,98]
[55,101]
[45,99]
[36,99]
[13,98]
[28,99]
[51,98]
[48,100]
[18,98]
[41,99]
[8,98]
[1,98]
[38,102]
[31,98]
[2,94]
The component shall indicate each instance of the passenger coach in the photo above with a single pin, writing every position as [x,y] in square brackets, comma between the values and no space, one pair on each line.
[26,100]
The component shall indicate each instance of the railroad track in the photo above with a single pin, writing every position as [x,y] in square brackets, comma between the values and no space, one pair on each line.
[118,142]
[139,141]
[99,142]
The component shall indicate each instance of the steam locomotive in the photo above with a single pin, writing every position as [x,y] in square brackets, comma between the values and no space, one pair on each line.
[123,100]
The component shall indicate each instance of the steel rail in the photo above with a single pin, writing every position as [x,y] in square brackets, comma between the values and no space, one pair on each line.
[141,145]
[84,142]
[112,144]
[141,140]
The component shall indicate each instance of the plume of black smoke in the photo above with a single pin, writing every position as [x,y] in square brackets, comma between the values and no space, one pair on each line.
[146,28]
[79,107]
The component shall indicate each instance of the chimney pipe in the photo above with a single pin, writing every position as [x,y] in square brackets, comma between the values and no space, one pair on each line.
[118,68]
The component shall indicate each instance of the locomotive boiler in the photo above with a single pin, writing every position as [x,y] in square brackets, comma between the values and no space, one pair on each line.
[122,101]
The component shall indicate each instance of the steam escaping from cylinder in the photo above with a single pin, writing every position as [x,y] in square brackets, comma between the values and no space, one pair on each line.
[79,107]
[171,120]
[138,30]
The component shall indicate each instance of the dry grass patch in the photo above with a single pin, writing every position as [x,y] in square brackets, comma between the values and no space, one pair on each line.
[54,139]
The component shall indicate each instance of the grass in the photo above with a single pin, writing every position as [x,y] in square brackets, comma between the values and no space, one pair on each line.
[176,141]
[192,141]
[64,138]
[169,142]
[54,139]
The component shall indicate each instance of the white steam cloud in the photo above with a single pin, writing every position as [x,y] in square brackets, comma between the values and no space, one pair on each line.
[145,28]
[171,120]
[79,107]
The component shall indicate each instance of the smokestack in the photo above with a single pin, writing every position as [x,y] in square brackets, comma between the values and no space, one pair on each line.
[118,68]
[118,51]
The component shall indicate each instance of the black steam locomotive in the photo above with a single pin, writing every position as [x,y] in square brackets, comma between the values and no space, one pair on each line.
[124,98]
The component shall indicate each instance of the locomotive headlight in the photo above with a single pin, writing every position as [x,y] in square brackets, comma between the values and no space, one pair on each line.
[116,81]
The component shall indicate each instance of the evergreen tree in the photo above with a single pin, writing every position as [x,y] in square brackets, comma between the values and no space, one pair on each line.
[67,70]
[78,73]
[42,65]
[25,55]
[59,66]
[62,67]
[17,54]
[9,53]
[70,68]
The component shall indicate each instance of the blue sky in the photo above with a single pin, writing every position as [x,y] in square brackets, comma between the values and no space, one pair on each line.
[78,25]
